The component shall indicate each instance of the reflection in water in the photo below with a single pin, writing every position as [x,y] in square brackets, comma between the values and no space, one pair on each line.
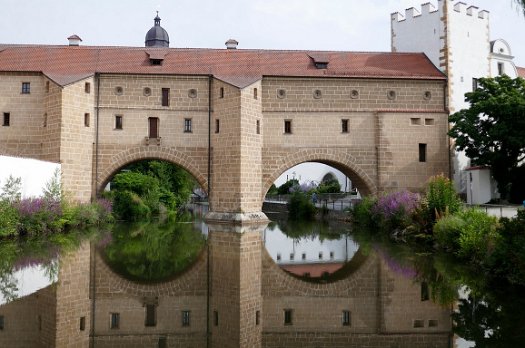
[233,295]
[309,250]
[153,251]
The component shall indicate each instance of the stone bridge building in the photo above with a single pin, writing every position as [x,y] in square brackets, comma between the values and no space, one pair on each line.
[235,119]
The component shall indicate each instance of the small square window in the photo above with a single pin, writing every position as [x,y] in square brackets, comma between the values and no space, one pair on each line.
[344,126]
[217,126]
[415,121]
[429,122]
[418,323]
[82,325]
[87,87]
[185,318]
[86,119]
[114,322]
[26,87]
[118,121]
[7,119]
[422,152]
[346,318]
[187,125]
[288,319]
[287,126]
[151,315]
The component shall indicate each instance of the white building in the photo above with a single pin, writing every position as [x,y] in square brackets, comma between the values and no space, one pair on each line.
[456,38]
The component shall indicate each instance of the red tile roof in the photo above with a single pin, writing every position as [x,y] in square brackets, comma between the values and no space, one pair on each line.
[66,64]
[521,72]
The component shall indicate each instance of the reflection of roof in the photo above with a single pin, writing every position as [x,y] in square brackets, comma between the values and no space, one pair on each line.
[65,64]
[313,270]
[521,72]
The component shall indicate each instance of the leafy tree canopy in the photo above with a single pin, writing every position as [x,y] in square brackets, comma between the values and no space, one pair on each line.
[492,130]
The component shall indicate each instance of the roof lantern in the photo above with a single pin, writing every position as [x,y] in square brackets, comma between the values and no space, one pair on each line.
[74,40]
[157,36]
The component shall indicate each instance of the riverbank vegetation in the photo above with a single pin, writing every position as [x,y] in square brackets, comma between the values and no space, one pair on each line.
[436,221]
[49,214]
[149,188]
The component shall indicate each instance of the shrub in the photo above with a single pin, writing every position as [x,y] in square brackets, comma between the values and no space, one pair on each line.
[447,231]
[39,215]
[478,236]
[441,197]
[395,209]
[8,219]
[301,207]
[129,206]
[329,186]
[362,214]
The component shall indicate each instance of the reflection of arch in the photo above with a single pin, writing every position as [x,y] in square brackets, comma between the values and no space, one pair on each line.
[124,158]
[340,160]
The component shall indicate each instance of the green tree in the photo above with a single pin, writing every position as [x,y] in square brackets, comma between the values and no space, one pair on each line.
[492,130]
[329,186]
[284,189]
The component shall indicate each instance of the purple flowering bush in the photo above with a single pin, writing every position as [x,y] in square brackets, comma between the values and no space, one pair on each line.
[39,215]
[395,210]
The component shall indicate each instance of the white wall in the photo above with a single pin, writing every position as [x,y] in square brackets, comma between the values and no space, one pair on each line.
[34,173]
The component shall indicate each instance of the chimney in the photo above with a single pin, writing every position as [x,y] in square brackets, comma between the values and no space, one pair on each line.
[231,44]
[74,40]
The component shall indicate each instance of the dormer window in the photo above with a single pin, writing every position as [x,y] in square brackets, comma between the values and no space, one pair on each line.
[156,57]
[320,60]
[155,61]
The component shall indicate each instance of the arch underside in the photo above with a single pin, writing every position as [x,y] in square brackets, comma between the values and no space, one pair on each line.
[336,158]
[124,158]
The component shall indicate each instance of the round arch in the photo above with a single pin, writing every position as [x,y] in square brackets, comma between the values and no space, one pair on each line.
[341,161]
[126,157]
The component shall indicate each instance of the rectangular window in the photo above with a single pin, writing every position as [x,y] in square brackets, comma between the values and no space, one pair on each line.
[221,92]
[255,93]
[153,127]
[425,295]
[303,256]
[278,257]
[217,126]
[501,69]
[185,318]
[346,319]
[422,152]
[187,125]
[118,121]
[288,317]
[433,323]
[344,126]
[2,322]
[163,342]
[416,121]
[151,315]
[320,255]
[7,119]
[87,87]
[26,87]
[292,256]
[258,127]
[429,122]
[216,318]
[45,120]
[257,317]
[86,119]
[82,325]
[287,126]
[331,255]
[39,323]
[418,323]
[47,86]
[114,321]
[165,97]
[474,84]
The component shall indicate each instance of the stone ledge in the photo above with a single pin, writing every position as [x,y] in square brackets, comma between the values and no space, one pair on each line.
[236,222]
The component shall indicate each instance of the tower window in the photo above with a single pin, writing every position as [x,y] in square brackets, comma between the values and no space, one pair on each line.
[422,152]
[258,127]
[288,317]
[217,126]
[2,324]
[216,318]
[187,125]
[114,321]
[501,68]
[7,119]
[165,97]
[221,92]
[26,87]
[288,126]
[151,315]
[86,119]
[87,87]
[257,317]
[474,84]
[346,318]
[255,93]
[118,121]
[185,318]
[344,126]
[82,323]
[47,86]
[425,295]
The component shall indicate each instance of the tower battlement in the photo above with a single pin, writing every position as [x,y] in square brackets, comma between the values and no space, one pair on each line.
[428,9]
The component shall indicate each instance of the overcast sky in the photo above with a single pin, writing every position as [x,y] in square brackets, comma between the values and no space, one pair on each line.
[349,25]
